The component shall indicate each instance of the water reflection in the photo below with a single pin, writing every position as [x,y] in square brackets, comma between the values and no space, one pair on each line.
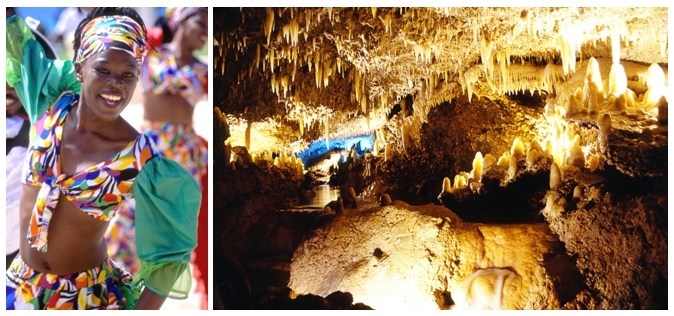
[324,194]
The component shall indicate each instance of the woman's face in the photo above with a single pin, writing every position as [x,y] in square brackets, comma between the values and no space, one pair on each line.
[196,30]
[108,79]
[13,102]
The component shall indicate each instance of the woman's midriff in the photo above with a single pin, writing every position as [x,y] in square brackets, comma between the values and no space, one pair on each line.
[75,241]
[167,108]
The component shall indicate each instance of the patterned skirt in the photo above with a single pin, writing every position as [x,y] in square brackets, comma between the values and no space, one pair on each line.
[103,287]
[181,144]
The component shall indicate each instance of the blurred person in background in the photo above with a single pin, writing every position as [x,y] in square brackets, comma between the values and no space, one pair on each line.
[173,80]
[66,24]
[17,131]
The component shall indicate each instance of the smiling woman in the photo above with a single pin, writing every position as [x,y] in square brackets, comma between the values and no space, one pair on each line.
[84,161]
[173,81]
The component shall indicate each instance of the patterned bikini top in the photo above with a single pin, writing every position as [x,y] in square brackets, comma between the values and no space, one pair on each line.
[97,190]
[160,74]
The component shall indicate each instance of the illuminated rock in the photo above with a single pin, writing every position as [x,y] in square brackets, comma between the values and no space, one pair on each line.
[504,159]
[400,256]
[477,166]
[489,161]
[555,176]
[460,181]
[512,168]
[385,200]
[577,194]
[663,106]
[593,162]
[446,187]
[517,149]
[593,91]
[617,82]
[576,157]
[532,158]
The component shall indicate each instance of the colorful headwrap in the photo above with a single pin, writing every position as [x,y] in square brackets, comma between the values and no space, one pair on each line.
[175,15]
[112,32]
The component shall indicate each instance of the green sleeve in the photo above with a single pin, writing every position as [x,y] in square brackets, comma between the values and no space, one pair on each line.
[38,81]
[167,208]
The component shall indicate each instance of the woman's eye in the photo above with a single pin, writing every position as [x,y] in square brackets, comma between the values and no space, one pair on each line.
[129,75]
[101,70]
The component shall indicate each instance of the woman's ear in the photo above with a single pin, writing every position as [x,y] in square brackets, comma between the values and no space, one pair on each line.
[78,71]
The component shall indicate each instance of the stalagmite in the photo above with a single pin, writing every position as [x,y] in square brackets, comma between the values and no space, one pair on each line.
[663,105]
[385,199]
[532,157]
[535,145]
[655,81]
[388,152]
[577,194]
[576,157]
[354,197]
[617,81]
[248,129]
[375,148]
[446,187]
[517,149]
[504,159]
[478,162]
[300,167]
[489,161]
[512,167]
[593,87]
[555,176]
[459,181]
[655,77]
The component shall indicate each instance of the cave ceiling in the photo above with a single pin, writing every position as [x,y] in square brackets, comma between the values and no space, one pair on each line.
[299,74]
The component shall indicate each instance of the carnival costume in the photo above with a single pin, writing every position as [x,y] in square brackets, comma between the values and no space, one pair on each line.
[167,198]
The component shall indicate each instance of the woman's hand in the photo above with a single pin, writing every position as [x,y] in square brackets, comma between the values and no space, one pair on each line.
[149,300]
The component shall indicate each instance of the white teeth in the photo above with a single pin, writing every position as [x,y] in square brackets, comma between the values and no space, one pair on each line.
[9,102]
[113,98]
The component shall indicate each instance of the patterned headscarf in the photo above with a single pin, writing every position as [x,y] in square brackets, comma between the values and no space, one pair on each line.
[112,32]
[175,15]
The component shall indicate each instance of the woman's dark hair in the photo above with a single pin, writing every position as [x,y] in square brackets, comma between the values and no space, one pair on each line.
[167,34]
[96,12]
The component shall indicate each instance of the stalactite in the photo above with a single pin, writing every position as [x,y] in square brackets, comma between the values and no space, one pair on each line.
[406,135]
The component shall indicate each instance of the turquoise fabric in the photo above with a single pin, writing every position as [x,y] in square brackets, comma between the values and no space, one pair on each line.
[38,81]
[165,236]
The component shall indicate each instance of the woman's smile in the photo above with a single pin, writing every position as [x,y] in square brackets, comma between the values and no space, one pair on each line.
[110,100]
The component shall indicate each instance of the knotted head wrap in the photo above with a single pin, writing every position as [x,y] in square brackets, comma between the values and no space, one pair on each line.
[175,15]
[112,32]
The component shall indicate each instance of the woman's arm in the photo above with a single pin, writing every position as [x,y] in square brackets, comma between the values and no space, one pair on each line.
[167,207]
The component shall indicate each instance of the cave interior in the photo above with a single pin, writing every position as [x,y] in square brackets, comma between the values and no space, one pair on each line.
[462,157]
